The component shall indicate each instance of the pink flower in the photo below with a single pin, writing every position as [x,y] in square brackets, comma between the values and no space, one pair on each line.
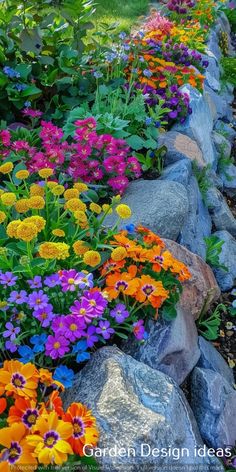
[119,183]
[5,137]
[158,22]
[88,122]
[32,113]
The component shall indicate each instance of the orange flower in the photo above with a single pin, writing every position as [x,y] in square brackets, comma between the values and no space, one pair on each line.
[23,411]
[150,238]
[152,291]
[112,266]
[84,427]
[160,260]
[17,453]
[54,403]
[180,269]
[19,379]
[124,282]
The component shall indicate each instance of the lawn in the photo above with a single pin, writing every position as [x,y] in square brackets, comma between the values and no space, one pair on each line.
[125,12]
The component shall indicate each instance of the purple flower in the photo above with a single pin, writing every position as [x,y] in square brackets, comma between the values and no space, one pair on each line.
[11,331]
[18,297]
[74,327]
[45,315]
[38,299]
[139,330]
[173,114]
[52,280]
[91,337]
[57,346]
[96,301]
[70,280]
[83,310]
[59,324]
[104,329]
[36,282]
[119,313]
[10,346]
[8,279]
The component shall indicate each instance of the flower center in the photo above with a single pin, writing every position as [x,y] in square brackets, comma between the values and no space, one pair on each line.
[92,303]
[78,427]
[30,417]
[71,281]
[50,438]
[38,301]
[14,452]
[82,311]
[18,380]
[73,327]
[56,345]
[148,289]
[159,259]
[121,285]
[44,315]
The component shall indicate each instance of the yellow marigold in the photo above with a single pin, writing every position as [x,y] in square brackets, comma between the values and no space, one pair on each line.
[52,184]
[58,232]
[118,254]
[22,174]
[107,208]
[22,205]
[26,231]
[36,220]
[12,227]
[8,198]
[2,216]
[50,250]
[123,211]
[58,190]
[36,190]
[36,202]
[80,248]
[92,258]
[45,173]
[6,168]
[71,193]
[75,204]
[95,208]
[81,219]
[81,187]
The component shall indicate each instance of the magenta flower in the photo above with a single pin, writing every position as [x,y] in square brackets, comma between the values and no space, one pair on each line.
[96,301]
[18,297]
[104,329]
[45,315]
[70,280]
[11,331]
[57,346]
[59,324]
[139,329]
[32,113]
[74,327]
[38,300]
[84,310]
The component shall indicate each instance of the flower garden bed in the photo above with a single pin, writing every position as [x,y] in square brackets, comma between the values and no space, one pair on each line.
[99,313]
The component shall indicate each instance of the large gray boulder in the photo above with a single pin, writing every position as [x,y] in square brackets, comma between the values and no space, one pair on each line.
[217,103]
[180,171]
[212,73]
[213,48]
[198,126]
[226,280]
[139,410]
[213,401]
[198,222]
[179,146]
[159,205]
[226,130]
[171,346]
[220,212]
[211,359]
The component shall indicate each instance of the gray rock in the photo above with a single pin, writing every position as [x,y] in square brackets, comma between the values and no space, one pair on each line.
[136,405]
[211,359]
[198,222]
[213,48]
[193,126]
[227,131]
[171,346]
[223,146]
[221,214]
[212,73]
[159,205]
[213,403]
[180,146]
[178,172]
[226,280]
[228,177]
[217,104]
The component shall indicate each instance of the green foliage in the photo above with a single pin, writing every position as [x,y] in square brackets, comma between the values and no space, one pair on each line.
[153,160]
[224,162]
[120,12]
[203,180]
[213,251]
[229,70]
[209,326]
[231,15]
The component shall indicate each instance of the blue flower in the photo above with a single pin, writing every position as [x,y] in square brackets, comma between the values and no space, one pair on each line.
[27,104]
[130,228]
[12,73]
[97,74]
[20,87]
[147,73]
[148,121]
[122,35]
[38,340]
[81,350]
[64,375]
[26,354]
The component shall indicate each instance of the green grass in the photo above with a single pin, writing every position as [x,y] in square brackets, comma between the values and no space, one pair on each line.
[125,12]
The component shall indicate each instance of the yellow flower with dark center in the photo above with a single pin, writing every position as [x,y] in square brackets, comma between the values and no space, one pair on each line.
[22,174]
[75,204]
[118,254]
[95,208]
[2,216]
[107,208]
[80,247]
[71,193]
[8,198]
[12,227]
[22,205]
[6,168]
[36,190]
[58,190]
[81,187]
[36,220]
[36,202]
[92,258]
[58,232]
[45,173]
[123,211]
[26,231]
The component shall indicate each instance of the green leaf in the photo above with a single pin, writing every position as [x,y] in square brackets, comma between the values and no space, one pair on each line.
[135,142]
[24,70]
[169,312]
[30,91]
